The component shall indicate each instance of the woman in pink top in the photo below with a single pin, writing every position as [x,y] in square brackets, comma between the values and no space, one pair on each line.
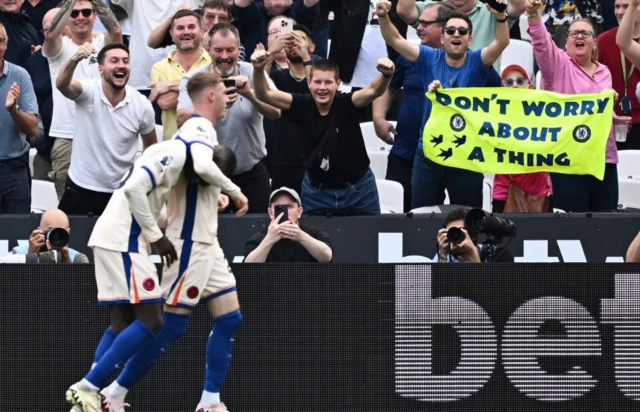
[531,183]
[575,72]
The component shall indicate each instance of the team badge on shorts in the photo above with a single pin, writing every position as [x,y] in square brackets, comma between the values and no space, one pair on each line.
[149,284]
[193,292]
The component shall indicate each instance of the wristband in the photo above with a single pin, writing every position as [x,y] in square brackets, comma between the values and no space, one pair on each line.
[501,20]
[387,77]
[532,15]
[307,63]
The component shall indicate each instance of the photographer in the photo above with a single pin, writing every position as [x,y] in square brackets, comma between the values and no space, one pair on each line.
[457,244]
[48,237]
[286,239]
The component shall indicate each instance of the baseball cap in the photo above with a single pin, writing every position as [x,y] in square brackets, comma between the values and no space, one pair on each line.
[287,190]
[517,68]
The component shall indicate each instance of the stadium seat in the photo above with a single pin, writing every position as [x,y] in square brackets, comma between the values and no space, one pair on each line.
[538,80]
[391,196]
[628,163]
[379,160]
[43,196]
[524,25]
[426,209]
[32,154]
[518,52]
[629,193]
[371,140]
[159,131]
[486,196]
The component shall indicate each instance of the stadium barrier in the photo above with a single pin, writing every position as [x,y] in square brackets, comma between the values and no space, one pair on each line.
[374,338]
[577,238]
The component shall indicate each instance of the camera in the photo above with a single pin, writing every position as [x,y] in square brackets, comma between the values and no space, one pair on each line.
[479,221]
[57,237]
[455,235]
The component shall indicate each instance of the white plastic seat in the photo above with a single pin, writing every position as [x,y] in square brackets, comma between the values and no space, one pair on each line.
[43,195]
[538,80]
[32,154]
[379,160]
[524,25]
[628,163]
[426,209]
[518,52]
[486,196]
[371,140]
[391,196]
[629,193]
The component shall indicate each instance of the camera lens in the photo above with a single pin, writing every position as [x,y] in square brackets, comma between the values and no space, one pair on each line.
[455,235]
[58,238]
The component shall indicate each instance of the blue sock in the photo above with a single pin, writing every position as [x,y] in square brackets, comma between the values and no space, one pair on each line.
[123,347]
[143,360]
[104,345]
[219,350]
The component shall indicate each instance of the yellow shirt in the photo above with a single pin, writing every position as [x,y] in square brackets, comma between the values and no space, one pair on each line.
[169,69]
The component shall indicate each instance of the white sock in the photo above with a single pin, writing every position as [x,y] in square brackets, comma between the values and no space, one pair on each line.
[118,392]
[89,385]
[210,399]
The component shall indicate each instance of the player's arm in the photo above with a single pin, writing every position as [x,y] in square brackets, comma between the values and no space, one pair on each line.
[492,52]
[109,21]
[53,36]
[261,88]
[68,86]
[136,189]
[363,97]
[392,36]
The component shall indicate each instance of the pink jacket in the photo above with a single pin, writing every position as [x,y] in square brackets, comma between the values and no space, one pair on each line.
[561,74]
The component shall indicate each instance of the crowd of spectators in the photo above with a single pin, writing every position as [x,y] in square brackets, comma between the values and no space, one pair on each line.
[85,82]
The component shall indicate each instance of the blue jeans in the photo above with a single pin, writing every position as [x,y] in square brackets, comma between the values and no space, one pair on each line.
[360,198]
[429,180]
[585,193]
[15,187]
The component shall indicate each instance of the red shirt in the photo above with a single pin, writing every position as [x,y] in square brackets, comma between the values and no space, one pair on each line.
[609,55]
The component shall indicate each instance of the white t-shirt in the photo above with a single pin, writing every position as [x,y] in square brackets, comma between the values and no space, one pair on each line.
[372,48]
[153,174]
[192,210]
[64,110]
[106,137]
[146,16]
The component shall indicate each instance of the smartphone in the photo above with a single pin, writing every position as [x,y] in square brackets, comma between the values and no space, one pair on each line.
[285,27]
[284,209]
[497,6]
[229,83]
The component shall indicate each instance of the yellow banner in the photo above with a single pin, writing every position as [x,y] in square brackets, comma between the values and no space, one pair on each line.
[513,131]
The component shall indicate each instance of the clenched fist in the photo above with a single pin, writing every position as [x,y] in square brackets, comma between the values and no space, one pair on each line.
[385,66]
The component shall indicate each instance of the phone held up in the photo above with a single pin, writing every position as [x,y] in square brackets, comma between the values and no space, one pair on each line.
[278,209]
[496,5]
[229,83]
[285,27]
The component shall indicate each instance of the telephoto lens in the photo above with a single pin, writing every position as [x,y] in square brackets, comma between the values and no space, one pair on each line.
[455,235]
[57,237]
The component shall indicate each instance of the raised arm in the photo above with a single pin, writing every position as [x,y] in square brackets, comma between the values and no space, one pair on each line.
[261,87]
[242,3]
[68,86]
[243,88]
[408,11]
[384,129]
[158,34]
[624,38]
[136,189]
[109,21]
[515,8]
[392,36]
[53,36]
[492,52]
[549,57]
[377,88]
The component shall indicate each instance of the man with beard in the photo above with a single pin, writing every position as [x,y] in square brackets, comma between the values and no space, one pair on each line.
[287,152]
[241,130]
[454,66]
[79,16]
[109,116]
[167,73]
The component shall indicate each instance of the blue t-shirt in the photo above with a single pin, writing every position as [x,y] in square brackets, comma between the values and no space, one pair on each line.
[411,109]
[431,65]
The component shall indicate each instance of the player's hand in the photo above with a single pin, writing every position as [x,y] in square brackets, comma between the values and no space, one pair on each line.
[443,243]
[223,202]
[166,250]
[36,241]
[259,58]
[532,6]
[385,66]
[83,52]
[11,103]
[290,231]
[243,86]
[382,8]
[242,203]
[435,85]
[384,130]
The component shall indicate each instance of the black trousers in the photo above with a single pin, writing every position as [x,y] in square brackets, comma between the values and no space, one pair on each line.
[256,187]
[290,177]
[399,170]
[80,201]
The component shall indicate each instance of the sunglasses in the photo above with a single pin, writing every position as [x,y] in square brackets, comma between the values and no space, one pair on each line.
[451,30]
[585,33]
[85,13]
[520,81]
[425,23]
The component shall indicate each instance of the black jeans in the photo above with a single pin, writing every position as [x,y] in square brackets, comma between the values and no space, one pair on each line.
[585,193]
[399,170]
[15,186]
[80,201]
[256,187]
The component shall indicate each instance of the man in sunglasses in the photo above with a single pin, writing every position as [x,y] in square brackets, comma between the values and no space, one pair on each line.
[78,16]
[453,66]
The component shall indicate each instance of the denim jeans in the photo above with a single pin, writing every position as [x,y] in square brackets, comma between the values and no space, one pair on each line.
[360,198]
[429,180]
[585,193]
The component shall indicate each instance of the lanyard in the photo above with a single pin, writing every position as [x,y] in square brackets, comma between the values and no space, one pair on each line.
[624,72]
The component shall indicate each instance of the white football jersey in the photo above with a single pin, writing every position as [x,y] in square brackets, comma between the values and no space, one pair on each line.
[128,224]
[192,210]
